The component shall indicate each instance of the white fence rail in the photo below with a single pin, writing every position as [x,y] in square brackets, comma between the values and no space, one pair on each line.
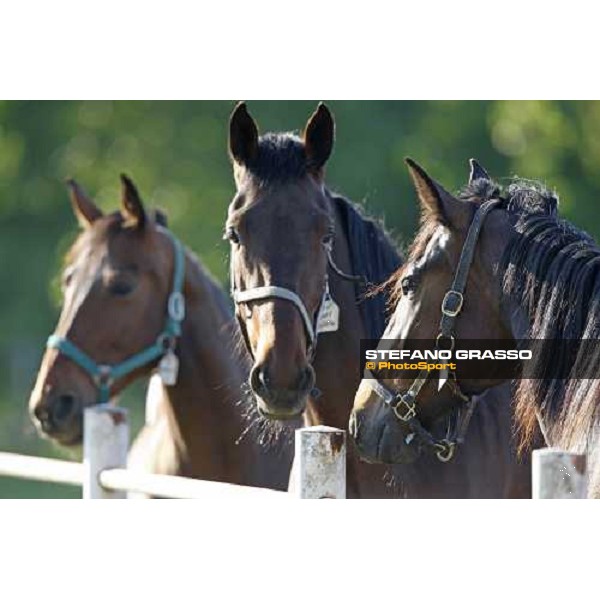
[41,469]
[320,466]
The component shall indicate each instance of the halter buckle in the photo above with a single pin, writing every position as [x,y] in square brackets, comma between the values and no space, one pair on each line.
[176,306]
[452,303]
[408,409]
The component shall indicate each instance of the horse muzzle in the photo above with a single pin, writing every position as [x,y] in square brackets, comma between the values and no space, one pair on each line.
[281,403]
[379,436]
[59,416]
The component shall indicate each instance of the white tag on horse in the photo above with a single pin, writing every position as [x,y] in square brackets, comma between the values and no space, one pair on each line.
[168,368]
[443,377]
[329,316]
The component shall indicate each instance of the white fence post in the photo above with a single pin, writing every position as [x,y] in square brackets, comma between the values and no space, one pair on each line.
[558,474]
[105,446]
[320,462]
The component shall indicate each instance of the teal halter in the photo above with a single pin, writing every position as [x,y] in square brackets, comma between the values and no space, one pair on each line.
[104,376]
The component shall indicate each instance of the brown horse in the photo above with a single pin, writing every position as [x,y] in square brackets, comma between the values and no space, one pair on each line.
[296,253]
[473,309]
[290,234]
[118,286]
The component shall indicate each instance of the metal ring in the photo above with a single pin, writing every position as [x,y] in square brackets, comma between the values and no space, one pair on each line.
[103,377]
[166,341]
[411,410]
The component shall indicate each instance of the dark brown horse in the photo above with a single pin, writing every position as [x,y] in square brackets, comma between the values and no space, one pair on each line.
[296,252]
[419,289]
[118,286]
[282,224]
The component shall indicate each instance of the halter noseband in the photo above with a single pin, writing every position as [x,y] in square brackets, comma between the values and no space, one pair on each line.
[275,291]
[104,376]
[404,403]
[311,325]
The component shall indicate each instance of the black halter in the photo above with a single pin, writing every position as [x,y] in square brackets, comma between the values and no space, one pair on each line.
[404,403]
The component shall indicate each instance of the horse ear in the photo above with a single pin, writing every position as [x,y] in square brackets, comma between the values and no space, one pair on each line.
[435,200]
[319,136]
[243,135]
[477,171]
[132,207]
[161,218]
[84,208]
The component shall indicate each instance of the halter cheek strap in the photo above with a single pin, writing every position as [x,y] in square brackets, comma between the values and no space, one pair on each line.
[404,403]
[103,375]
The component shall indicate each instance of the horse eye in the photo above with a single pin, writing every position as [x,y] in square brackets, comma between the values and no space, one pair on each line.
[120,288]
[67,278]
[232,235]
[408,284]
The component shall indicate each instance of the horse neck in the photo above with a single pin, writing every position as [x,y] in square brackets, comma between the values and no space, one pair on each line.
[202,405]
[471,474]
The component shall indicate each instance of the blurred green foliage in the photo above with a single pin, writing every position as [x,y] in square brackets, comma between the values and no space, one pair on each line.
[176,153]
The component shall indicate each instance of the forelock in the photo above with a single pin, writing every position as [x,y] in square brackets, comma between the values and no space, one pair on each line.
[281,157]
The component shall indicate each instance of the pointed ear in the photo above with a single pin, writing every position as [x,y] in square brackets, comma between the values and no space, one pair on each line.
[477,171]
[161,218]
[132,207]
[319,135]
[243,135]
[435,200]
[84,208]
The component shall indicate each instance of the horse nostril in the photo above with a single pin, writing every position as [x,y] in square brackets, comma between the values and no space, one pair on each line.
[63,408]
[263,378]
[259,380]
[42,414]
[307,379]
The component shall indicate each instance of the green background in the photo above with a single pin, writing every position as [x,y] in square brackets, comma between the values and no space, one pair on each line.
[176,153]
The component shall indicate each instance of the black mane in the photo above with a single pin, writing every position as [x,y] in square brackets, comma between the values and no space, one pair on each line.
[374,256]
[521,196]
[552,269]
[281,157]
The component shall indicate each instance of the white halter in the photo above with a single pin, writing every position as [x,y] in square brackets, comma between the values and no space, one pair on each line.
[274,291]
[327,315]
